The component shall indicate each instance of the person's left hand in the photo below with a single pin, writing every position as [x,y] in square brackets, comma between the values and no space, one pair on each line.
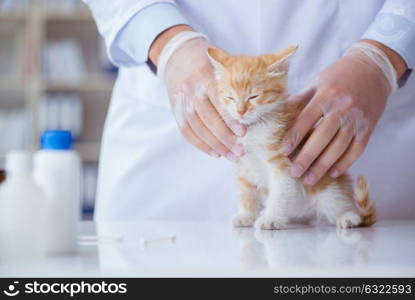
[346,101]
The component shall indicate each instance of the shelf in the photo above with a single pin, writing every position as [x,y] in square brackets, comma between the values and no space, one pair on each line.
[70,17]
[9,84]
[89,151]
[82,14]
[35,26]
[13,17]
[23,85]
[93,84]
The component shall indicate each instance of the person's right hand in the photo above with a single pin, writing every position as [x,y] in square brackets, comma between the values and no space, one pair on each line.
[190,82]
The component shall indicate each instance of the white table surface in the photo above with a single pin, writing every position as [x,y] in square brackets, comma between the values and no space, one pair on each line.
[205,249]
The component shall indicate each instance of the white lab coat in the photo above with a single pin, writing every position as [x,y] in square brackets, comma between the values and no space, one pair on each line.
[149,171]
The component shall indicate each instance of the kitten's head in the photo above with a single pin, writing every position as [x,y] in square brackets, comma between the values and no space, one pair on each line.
[249,86]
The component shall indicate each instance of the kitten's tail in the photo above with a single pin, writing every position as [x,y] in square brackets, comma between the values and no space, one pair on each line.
[365,205]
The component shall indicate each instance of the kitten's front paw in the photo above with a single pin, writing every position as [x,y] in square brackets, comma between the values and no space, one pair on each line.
[244,220]
[349,220]
[270,223]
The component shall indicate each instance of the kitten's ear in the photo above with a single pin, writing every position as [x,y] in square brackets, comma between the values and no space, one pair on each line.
[281,63]
[217,58]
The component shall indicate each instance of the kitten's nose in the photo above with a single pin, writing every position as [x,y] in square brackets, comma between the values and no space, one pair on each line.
[242,110]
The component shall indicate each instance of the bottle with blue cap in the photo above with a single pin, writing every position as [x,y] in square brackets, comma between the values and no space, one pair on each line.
[57,170]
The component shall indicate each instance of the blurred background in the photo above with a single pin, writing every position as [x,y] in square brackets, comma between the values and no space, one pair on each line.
[54,74]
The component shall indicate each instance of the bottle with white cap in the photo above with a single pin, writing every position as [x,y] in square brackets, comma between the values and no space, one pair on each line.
[22,208]
[57,170]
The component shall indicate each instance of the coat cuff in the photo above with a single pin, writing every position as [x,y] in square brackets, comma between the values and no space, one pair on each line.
[396,32]
[135,39]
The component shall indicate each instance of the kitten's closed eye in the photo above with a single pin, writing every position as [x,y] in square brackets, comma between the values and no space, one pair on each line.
[253,97]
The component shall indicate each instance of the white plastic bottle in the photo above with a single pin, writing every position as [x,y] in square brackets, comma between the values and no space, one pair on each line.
[57,169]
[22,209]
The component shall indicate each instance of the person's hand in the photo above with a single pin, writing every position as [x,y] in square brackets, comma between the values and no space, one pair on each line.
[344,103]
[189,78]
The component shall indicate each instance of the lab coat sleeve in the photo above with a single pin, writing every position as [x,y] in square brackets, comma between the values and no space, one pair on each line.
[130,26]
[394,26]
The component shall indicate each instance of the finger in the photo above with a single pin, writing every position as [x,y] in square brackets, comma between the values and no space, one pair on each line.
[304,122]
[192,138]
[303,97]
[236,127]
[330,155]
[315,145]
[215,124]
[352,154]
[206,135]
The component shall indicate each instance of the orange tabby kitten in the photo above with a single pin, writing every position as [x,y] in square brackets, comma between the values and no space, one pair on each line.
[253,91]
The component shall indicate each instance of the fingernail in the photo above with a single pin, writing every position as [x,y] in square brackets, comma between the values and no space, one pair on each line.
[231,157]
[310,179]
[214,154]
[238,150]
[334,173]
[296,170]
[238,128]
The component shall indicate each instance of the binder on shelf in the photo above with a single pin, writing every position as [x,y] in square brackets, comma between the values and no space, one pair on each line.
[61,111]
[62,6]
[11,46]
[63,61]
[13,6]
[13,125]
